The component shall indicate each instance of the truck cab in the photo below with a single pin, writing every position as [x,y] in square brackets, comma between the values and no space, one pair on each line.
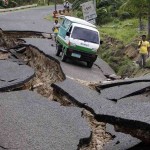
[77,39]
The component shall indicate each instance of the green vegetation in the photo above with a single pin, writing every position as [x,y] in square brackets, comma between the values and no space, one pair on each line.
[125,31]
[119,10]
[121,23]
[49,17]
[113,52]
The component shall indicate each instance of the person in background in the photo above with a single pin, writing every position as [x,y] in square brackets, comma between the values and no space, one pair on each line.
[67,4]
[56,28]
[64,4]
[143,50]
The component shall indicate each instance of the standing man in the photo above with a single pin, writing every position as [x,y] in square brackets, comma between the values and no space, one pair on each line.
[56,28]
[64,4]
[143,50]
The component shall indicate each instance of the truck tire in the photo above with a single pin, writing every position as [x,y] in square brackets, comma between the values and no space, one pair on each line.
[58,49]
[90,64]
[63,57]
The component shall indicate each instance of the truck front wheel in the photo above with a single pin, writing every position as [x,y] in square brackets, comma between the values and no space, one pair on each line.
[58,49]
[90,64]
[63,57]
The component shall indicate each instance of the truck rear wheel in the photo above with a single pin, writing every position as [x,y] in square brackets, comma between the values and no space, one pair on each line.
[58,49]
[63,57]
[90,64]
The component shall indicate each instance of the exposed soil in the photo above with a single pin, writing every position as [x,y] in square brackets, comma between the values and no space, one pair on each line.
[4,55]
[99,135]
[47,71]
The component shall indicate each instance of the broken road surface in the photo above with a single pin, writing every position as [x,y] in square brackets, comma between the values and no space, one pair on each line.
[30,121]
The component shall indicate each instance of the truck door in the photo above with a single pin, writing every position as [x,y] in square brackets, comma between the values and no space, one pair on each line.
[64,27]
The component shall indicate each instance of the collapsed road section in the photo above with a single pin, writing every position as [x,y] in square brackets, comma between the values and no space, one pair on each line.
[29,121]
[46,71]
[128,112]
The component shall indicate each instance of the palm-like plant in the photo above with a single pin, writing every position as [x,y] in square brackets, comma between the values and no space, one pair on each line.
[137,8]
[148,5]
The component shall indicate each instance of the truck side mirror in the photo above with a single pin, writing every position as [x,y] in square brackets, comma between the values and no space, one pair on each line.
[68,33]
[101,42]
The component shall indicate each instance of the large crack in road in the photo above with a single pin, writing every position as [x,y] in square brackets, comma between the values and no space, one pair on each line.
[48,75]
[48,71]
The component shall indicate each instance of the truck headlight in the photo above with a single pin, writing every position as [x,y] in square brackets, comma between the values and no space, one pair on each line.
[72,44]
[94,50]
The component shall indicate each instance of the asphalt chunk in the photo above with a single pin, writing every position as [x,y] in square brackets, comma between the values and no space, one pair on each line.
[133,115]
[83,96]
[145,78]
[120,140]
[30,121]
[117,92]
[105,68]
[131,112]
[13,75]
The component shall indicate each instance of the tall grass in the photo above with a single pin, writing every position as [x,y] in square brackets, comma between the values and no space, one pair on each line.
[124,31]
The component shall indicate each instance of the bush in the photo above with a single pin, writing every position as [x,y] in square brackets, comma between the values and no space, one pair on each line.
[125,15]
[79,14]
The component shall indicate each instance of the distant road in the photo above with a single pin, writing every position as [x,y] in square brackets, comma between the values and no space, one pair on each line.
[31,19]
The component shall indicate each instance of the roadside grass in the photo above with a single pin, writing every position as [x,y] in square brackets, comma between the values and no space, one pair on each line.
[124,31]
[49,17]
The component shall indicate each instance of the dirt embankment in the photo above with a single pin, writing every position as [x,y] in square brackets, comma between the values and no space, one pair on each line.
[122,58]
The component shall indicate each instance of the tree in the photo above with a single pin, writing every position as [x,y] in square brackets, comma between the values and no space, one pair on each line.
[148,3]
[137,7]
[107,10]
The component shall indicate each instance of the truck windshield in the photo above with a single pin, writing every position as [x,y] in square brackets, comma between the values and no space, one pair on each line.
[85,35]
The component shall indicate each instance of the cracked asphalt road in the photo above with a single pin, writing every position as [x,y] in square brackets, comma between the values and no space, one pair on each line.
[76,70]
[23,21]
[31,19]
[24,125]
[29,121]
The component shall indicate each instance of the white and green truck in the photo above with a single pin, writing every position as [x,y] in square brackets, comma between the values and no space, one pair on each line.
[77,39]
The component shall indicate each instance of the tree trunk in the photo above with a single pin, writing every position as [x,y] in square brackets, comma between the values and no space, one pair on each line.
[48,2]
[140,23]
